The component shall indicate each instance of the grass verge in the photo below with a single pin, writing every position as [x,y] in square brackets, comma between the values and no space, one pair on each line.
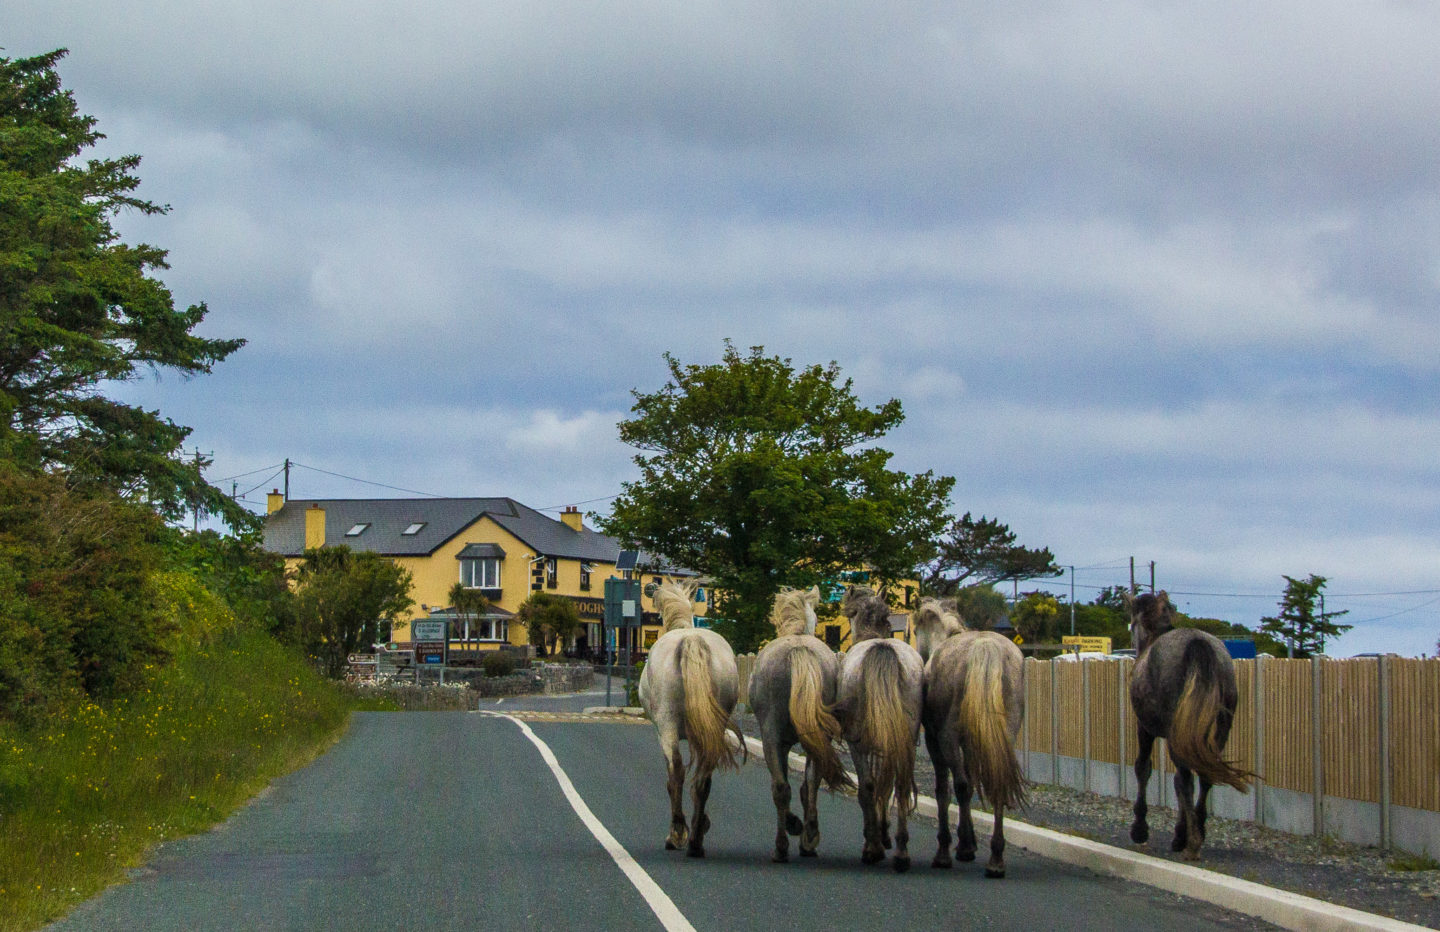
[89,795]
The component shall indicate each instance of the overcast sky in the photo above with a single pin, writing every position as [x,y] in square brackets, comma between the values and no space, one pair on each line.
[1152,279]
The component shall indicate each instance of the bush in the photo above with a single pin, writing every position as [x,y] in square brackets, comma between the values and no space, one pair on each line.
[498,663]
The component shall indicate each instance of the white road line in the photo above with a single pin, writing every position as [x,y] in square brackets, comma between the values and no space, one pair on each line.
[664,908]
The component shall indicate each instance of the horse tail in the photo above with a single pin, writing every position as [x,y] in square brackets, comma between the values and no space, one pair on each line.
[886,730]
[705,721]
[984,721]
[814,723]
[1195,739]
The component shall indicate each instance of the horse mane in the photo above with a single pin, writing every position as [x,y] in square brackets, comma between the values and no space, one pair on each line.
[868,613]
[1154,613]
[673,602]
[790,613]
[945,613]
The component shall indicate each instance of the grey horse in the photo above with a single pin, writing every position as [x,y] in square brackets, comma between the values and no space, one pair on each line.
[791,691]
[1183,690]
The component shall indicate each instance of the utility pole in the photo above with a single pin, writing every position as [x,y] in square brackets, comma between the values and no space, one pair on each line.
[287,478]
[1072,600]
[201,461]
[1132,575]
[1152,577]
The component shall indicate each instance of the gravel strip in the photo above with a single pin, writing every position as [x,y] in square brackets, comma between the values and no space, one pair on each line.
[1337,872]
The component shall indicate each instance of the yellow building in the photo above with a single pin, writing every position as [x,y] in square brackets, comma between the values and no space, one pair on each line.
[499,546]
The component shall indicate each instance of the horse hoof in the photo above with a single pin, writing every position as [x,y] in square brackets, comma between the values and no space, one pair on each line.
[994,872]
[793,825]
[781,857]
[808,853]
[966,856]
[871,857]
[696,852]
[943,863]
[901,864]
[1177,843]
[1139,833]
[671,846]
[1190,855]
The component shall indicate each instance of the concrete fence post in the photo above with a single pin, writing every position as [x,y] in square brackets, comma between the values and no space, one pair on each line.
[1258,684]
[1386,831]
[1124,720]
[1085,699]
[1054,727]
[1317,747]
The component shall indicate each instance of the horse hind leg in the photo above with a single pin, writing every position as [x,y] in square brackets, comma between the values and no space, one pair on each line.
[810,804]
[942,803]
[1197,832]
[775,761]
[1140,829]
[996,867]
[872,851]
[700,823]
[675,785]
[1189,828]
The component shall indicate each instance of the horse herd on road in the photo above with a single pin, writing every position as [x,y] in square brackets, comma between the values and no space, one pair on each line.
[964,687]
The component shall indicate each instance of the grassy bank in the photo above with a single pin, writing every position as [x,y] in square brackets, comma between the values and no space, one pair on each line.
[87,796]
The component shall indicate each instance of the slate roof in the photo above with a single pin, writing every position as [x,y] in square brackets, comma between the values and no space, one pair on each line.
[443,520]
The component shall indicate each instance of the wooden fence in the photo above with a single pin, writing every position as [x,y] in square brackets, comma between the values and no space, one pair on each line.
[1361,736]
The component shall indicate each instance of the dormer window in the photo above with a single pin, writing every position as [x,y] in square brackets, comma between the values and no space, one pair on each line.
[357,529]
[414,529]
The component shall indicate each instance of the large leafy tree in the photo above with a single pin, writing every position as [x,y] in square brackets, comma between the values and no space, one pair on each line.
[550,620]
[79,308]
[759,475]
[1302,624]
[345,601]
[984,552]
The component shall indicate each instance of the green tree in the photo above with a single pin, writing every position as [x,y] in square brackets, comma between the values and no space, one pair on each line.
[77,611]
[761,475]
[1037,617]
[550,620]
[982,606]
[469,605]
[1301,624]
[984,552]
[79,308]
[345,601]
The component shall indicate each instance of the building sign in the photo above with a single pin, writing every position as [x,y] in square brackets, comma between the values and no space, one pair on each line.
[430,652]
[588,606]
[427,631]
[1086,645]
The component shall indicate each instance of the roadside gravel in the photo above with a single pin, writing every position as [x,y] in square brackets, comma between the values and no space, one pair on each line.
[1330,870]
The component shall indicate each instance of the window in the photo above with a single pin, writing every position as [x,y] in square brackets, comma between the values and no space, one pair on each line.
[414,529]
[486,629]
[551,573]
[357,529]
[585,570]
[480,573]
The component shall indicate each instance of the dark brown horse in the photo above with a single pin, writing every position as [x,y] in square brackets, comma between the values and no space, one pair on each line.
[1183,690]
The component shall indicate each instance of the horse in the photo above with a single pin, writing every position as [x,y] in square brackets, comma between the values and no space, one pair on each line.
[974,704]
[688,689]
[791,691]
[1183,690]
[878,704]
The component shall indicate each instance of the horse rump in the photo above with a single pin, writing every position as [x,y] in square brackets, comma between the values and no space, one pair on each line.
[816,726]
[706,722]
[885,730]
[1202,720]
[989,747]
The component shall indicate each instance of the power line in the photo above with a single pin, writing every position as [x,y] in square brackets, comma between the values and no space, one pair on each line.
[394,488]
[244,474]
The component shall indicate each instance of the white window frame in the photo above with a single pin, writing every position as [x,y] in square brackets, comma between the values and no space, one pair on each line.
[488,576]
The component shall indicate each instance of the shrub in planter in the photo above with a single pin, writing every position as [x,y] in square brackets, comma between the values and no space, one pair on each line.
[497,663]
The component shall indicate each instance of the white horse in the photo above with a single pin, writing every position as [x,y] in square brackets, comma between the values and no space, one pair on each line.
[688,689]
[879,698]
[974,704]
[791,691]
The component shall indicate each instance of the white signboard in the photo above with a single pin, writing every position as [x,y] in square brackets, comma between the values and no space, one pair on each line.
[427,631]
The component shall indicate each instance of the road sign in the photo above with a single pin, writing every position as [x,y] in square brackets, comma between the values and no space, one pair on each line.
[1086,645]
[622,603]
[427,631]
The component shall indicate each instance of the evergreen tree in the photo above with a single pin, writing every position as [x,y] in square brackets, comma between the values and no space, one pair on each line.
[79,308]
[1301,624]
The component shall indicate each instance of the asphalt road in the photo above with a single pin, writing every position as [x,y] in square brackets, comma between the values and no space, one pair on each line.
[454,821]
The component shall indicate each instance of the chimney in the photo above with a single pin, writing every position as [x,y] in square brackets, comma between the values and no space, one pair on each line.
[274,502]
[314,527]
[572,518]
